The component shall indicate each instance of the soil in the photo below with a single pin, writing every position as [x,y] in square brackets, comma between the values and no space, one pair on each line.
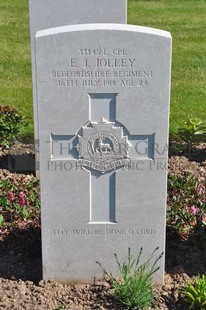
[21,285]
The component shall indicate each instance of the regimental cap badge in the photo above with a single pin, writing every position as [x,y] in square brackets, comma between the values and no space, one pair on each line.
[103,147]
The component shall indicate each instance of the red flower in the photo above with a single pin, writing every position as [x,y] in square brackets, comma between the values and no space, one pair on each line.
[193,210]
[21,199]
[11,197]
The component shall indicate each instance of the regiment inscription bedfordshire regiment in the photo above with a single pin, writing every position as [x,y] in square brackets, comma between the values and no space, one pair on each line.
[103,112]
[102,68]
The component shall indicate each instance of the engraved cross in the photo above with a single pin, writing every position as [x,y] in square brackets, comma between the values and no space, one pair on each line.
[103,146]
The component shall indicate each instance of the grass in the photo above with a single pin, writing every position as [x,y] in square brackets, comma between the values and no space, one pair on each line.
[186,22]
[195,293]
[15,63]
[185,19]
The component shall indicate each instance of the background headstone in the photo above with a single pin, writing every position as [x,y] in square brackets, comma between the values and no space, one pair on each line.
[52,13]
[103,111]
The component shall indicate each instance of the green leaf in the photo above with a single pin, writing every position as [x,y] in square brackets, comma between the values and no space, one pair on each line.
[2,221]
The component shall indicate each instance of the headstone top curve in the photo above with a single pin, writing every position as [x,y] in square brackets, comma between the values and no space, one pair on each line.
[96,27]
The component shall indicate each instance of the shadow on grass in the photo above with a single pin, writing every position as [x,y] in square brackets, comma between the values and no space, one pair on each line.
[20,255]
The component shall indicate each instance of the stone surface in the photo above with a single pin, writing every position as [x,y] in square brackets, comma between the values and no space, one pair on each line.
[51,13]
[103,110]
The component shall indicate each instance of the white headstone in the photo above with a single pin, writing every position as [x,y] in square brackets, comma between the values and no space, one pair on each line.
[103,110]
[52,13]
